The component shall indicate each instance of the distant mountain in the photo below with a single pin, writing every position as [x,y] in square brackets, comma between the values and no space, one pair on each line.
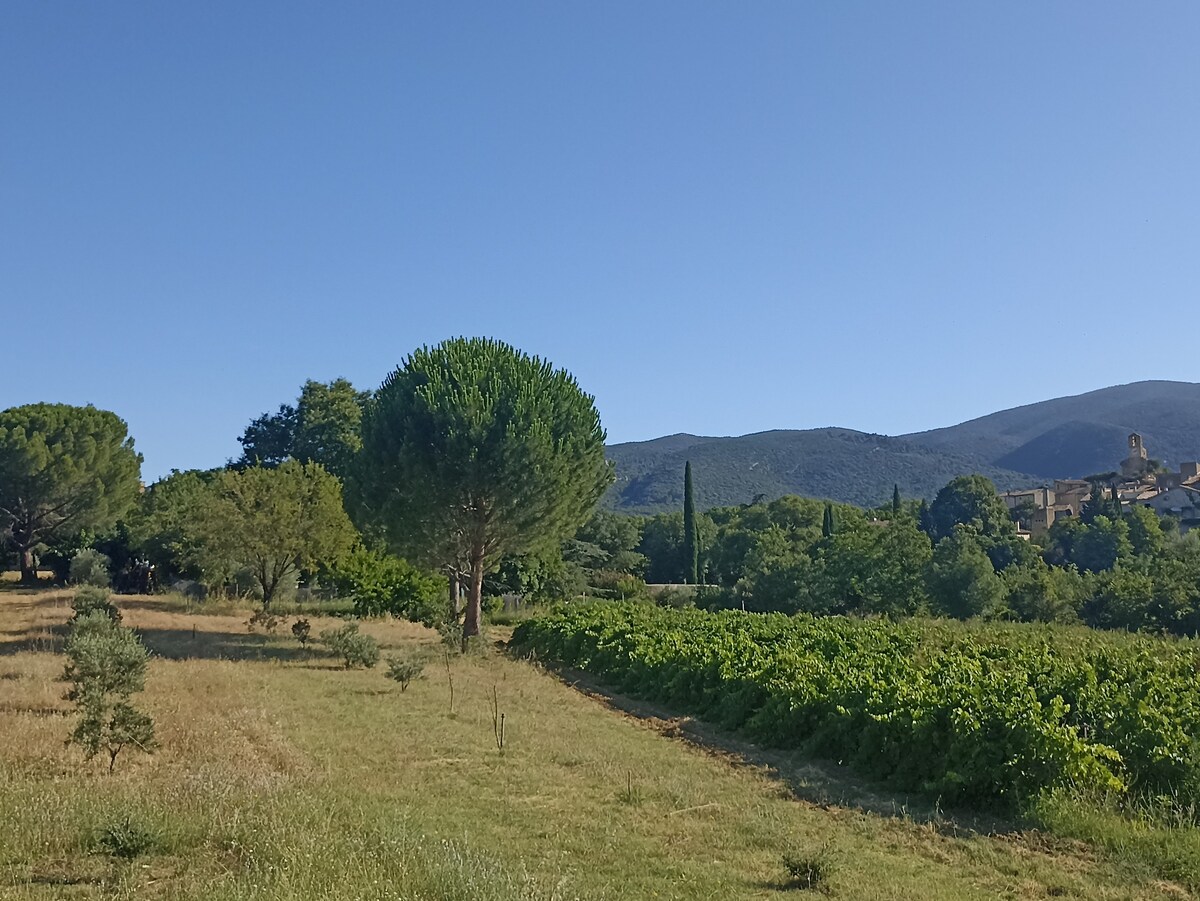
[838,464]
[1067,437]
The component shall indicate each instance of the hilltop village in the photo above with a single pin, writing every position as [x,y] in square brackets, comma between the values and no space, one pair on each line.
[1140,481]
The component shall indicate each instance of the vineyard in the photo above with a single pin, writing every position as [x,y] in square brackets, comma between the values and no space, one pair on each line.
[970,713]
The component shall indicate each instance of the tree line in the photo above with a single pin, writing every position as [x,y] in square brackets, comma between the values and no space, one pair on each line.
[474,471]
[469,452]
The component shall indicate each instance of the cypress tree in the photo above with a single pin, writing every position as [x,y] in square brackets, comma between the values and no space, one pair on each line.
[828,524]
[896,502]
[691,548]
[1117,509]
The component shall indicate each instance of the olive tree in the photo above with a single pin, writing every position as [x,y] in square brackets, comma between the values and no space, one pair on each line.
[473,450]
[63,469]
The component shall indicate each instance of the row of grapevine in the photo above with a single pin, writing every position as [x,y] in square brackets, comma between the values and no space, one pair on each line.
[969,712]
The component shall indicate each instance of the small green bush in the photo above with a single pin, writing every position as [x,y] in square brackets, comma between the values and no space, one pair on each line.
[92,599]
[127,838]
[807,871]
[355,648]
[90,567]
[265,620]
[404,669]
[301,629]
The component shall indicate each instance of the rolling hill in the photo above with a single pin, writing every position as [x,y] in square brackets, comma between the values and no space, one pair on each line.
[1067,437]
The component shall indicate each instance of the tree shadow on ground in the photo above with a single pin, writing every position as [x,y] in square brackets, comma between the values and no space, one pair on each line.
[38,640]
[173,644]
[192,644]
[824,784]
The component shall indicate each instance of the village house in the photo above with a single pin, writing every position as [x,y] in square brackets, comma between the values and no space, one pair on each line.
[1175,494]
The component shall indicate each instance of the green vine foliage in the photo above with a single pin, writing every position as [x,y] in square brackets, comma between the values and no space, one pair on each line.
[966,712]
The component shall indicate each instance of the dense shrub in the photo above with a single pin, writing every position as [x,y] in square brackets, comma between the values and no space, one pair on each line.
[380,583]
[127,838]
[92,599]
[90,567]
[403,669]
[355,648]
[301,629]
[967,712]
[619,586]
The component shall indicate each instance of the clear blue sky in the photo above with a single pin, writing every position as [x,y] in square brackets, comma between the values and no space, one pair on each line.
[722,218]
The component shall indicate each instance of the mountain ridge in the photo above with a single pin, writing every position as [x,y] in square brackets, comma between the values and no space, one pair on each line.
[1032,444]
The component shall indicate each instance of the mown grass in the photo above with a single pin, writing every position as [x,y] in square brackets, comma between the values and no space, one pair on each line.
[283,776]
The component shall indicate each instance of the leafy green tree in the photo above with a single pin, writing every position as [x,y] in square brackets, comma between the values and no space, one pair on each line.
[1100,545]
[781,576]
[271,523]
[545,576]
[691,549]
[1146,535]
[1123,601]
[323,426]
[473,450]
[162,525]
[63,469]
[608,541]
[962,582]
[1036,592]
[969,500]
[876,569]
[897,503]
[381,583]
[662,545]
[1099,504]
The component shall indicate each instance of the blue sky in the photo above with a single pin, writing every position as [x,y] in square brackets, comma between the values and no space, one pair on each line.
[722,218]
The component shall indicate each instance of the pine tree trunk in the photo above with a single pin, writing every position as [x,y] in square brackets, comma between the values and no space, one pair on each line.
[28,570]
[474,611]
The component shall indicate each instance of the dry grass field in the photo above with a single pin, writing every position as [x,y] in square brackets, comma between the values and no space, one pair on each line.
[281,775]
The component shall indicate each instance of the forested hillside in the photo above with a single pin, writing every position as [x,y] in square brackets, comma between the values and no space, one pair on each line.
[1067,437]
[839,464]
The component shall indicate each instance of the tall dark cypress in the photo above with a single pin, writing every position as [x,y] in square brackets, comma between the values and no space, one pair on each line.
[1117,510]
[691,547]
[828,525]
[896,502]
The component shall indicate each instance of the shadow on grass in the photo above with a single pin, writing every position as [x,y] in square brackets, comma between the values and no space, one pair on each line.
[175,644]
[189,644]
[33,710]
[43,640]
[823,784]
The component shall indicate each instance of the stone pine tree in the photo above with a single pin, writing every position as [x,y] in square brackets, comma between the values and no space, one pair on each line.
[473,450]
[63,469]
[691,546]
[896,504]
